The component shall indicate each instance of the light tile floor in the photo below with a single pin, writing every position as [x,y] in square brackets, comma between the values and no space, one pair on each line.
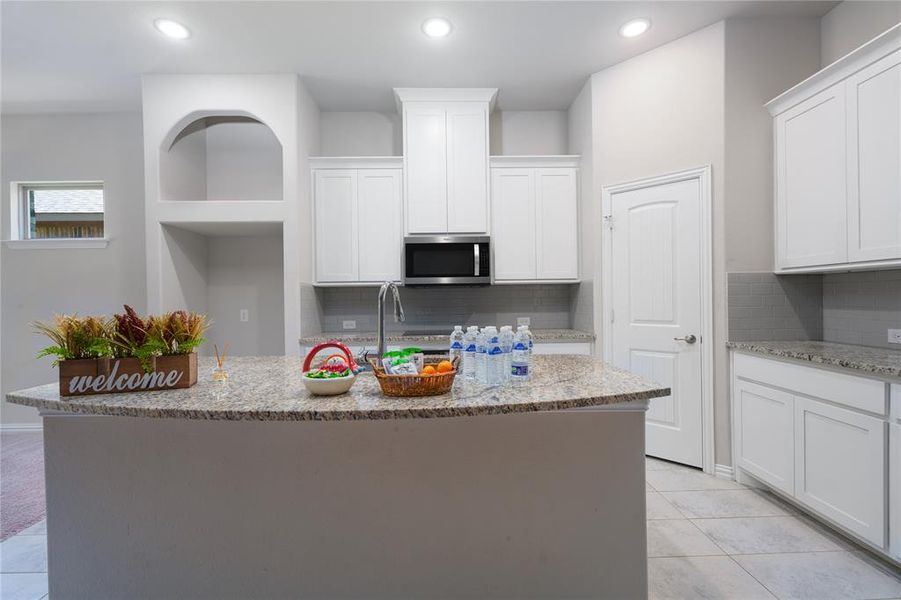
[707,538]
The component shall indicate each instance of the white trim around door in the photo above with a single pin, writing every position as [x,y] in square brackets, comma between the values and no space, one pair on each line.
[703,175]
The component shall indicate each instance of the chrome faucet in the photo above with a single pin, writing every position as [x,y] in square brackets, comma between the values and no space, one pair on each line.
[398,313]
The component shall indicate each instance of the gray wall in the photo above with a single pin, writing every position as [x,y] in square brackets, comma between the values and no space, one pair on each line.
[360,134]
[763,58]
[548,306]
[858,308]
[764,306]
[657,113]
[528,132]
[579,123]
[854,23]
[38,283]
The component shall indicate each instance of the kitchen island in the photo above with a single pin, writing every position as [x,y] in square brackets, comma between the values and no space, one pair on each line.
[254,488]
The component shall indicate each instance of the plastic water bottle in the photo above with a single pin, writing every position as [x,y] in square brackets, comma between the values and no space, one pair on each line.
[494,358]
[521,360]
[528,334]
[470,349]
[481,355]
[456,343]
[507,347]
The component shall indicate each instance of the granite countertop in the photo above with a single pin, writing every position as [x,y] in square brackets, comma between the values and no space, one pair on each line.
[352,338]
[876,361]
[269,388]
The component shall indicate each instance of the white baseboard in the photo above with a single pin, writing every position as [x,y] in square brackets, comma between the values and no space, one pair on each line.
[723,472]
[21,427]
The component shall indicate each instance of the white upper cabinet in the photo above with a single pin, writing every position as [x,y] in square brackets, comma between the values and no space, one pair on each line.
[379,223]
[535,218]
[838,163]
[467,167]
[425,151]
[446,158]
[513,219]
[874,161]
[811,191]
[335,206]
[357,215]
[557,236]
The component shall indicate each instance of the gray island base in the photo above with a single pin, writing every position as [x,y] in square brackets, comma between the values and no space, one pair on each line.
[258,490]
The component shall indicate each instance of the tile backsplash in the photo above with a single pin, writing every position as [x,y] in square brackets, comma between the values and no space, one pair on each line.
[764,306]
[548,306]
[859,308]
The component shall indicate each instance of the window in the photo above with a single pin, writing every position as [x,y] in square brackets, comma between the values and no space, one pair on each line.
[59,211]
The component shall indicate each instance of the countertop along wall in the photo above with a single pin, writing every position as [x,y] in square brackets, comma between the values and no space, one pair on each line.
[37,284]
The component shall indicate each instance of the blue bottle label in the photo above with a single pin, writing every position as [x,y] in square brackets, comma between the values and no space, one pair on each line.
[471,348]
[520,370]
[495,350]
[457,346]
[519,346]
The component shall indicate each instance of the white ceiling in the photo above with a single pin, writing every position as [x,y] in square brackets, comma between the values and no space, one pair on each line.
[89,56]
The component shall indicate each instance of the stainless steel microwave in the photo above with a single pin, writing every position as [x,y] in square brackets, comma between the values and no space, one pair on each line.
[447,260]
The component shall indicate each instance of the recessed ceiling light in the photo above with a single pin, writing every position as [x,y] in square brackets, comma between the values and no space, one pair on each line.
[436,27]
[634,28]
[172,29]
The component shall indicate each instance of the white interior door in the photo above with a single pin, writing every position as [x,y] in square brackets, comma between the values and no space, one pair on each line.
[656,281]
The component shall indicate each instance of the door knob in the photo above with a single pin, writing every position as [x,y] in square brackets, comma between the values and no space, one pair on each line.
[688,339]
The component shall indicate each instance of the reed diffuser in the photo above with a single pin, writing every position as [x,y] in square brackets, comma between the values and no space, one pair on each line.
[219,372]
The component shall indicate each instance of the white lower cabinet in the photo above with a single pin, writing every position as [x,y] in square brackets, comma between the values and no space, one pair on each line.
[765,435]
[840,458]
[822,438]
[357,225]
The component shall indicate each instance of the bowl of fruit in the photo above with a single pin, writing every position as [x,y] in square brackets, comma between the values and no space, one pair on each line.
[337,373]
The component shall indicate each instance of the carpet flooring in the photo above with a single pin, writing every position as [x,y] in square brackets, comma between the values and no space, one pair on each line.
[22,501]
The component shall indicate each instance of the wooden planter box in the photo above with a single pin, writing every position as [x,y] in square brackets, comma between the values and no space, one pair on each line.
[119,375]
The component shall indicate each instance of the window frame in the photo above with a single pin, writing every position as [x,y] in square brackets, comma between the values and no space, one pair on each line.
[20,225]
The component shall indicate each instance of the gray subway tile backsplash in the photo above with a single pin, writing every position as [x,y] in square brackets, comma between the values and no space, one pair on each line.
[851,308]
[764,306]
[548,306]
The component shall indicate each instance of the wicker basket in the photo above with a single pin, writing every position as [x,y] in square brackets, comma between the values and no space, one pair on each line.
[409,386]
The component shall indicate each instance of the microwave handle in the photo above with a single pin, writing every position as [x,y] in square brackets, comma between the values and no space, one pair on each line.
[475,255]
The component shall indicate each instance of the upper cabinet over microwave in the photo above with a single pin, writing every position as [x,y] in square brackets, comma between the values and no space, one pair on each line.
[838,164]
[445,138]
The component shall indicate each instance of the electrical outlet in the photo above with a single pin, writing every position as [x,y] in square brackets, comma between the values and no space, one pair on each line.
[349,324]
[894,336]
[244,315]
[527,321]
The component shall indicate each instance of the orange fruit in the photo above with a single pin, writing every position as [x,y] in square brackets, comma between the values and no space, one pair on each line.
[428,370]
[445,366]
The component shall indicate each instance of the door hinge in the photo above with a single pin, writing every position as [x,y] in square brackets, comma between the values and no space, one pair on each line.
[608,220]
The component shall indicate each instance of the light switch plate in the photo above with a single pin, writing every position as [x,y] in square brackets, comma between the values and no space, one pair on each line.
[349,324]
[244,315]
[527,321]
[894,336]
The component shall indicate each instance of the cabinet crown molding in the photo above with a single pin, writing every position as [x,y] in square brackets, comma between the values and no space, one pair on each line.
[847,65]
[550,160]
[402,95]
[356,162]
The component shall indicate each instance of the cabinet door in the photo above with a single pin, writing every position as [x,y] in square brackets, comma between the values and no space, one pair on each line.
[467,167]
[765,434]
[335,213]
[513,223]
[381,236]
[811,203]
[557,223]
[425,161]
[840,466]
[874,161]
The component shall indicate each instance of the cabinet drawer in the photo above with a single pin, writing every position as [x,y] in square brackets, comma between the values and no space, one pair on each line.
[860,393]
[840,465]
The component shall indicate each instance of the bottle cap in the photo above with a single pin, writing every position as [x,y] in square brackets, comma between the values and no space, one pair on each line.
[458,328]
